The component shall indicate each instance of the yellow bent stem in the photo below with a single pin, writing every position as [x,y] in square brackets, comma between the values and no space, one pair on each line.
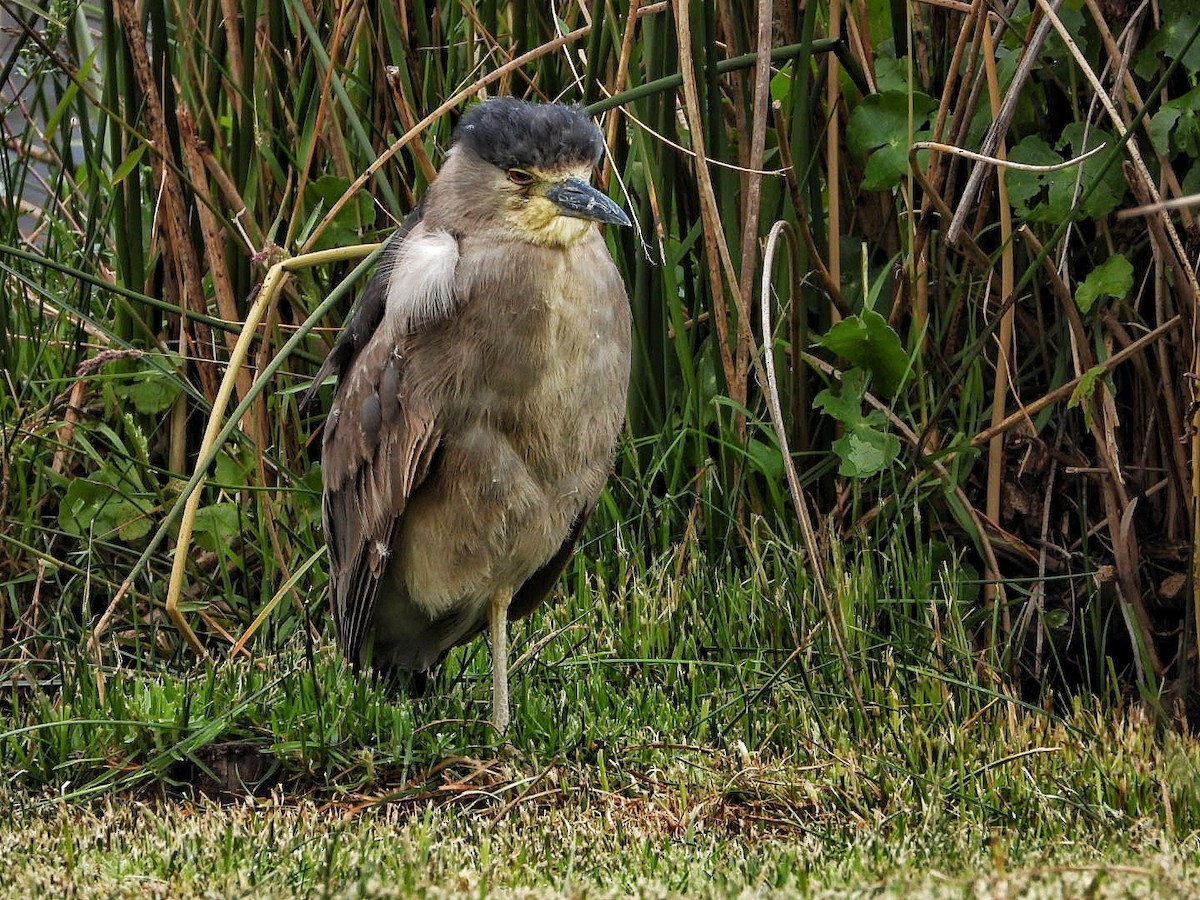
[262,303]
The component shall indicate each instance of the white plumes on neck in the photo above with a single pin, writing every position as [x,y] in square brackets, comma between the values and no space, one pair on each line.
[421,281]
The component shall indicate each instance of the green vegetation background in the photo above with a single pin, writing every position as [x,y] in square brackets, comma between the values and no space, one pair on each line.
[980,655]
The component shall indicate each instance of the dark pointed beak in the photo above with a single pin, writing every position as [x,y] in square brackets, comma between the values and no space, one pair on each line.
[579,199]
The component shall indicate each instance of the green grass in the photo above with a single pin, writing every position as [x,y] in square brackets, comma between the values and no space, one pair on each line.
[595,845]
[679,729]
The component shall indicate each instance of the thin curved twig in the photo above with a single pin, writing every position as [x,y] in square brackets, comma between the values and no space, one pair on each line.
[1006,163]
[766,373]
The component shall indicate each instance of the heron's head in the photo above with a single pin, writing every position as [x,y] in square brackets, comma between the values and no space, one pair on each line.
[523,168]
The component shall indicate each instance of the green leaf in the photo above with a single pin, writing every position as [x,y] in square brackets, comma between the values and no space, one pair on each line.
[153,386]
[1175,128]
[766,458]
[885,168]
[1086,387]
[781,85]
[131,521]
[216,525]
[1180,19]
[869,342]
[151,393]
[233,466]
[1187,135]
[346,226]
[883,119]
[1112,278]
[78,505]
[1161,125]
[863,449]
[892,74]
[1055,618]
[1052,196]
[1191,181]
[880,128]
[1098,196]
[845,406]
[128,164]
[95,507]
[1026,189]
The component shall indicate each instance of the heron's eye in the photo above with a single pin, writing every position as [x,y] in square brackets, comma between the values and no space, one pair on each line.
[520,177]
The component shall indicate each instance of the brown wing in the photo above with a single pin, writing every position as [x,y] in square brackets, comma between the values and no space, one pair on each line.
[377,449]
[367,312]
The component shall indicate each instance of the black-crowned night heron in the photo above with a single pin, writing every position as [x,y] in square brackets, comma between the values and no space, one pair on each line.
[481,385]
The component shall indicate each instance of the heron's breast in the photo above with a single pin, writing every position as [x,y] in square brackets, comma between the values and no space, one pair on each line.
[554,366]
[534,371]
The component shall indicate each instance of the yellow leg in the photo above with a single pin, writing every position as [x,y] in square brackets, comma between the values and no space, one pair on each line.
[498,611]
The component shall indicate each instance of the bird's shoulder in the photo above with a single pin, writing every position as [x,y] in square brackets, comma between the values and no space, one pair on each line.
[364,318]
[417,281]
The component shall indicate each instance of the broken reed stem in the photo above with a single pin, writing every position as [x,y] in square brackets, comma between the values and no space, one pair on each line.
[1001,118]
[1063,391]
[833,153]
[994,592]
[766,375]
[716,251]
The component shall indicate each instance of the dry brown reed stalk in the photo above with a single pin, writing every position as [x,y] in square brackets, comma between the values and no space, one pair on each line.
[716,250]
[213,237]
[833,150]
[178,246]
[994,593]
